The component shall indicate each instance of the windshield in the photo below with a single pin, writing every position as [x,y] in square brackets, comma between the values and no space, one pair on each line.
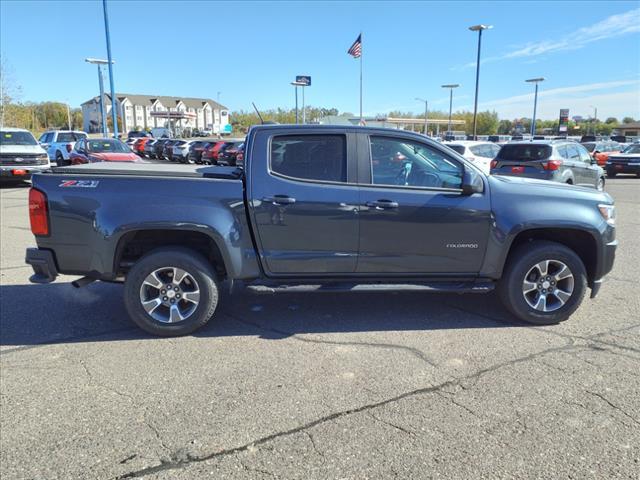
[525,152]
[107,145]
[17,138]
[632,149]
[589,146]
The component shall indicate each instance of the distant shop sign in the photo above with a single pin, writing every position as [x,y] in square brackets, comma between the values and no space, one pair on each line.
[306,79]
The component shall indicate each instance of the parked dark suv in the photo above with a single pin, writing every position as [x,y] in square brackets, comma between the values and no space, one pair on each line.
[555,160]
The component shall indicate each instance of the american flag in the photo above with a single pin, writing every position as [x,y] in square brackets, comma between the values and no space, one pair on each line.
[356,49]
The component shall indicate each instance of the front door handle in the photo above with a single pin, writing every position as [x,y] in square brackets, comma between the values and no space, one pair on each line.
[382,204]
[280,200]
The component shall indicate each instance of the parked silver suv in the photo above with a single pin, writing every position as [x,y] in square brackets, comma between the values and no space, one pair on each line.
[557,160]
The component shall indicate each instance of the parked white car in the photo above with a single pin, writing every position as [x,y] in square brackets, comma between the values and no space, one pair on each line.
[20,154]
[181,150]
[479,153]
[59,144]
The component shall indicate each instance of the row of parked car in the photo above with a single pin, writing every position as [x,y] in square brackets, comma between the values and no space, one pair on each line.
[207,152]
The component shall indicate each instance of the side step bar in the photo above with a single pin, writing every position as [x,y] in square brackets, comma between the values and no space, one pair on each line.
[431,287]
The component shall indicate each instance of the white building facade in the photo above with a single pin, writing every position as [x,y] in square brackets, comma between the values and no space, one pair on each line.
[134,112]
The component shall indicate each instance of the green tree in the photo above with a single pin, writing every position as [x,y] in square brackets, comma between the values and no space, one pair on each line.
[611,120]
[628,120]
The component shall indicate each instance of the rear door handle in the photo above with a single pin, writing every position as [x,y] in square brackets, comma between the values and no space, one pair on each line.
[382,204]
[280,200]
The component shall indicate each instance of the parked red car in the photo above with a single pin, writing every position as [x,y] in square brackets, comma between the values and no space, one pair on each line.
[210,154]
[89,150]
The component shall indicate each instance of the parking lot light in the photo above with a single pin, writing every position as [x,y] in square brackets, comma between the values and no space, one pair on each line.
[479,29]
[450,86]
[296,85]
[426,109]
[103,112]
[535,103]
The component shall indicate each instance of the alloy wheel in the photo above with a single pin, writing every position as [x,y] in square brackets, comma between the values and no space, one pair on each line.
[170,294]
[548,285]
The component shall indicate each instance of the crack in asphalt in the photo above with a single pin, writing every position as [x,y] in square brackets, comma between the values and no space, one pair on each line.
[385,346]
[392,425]
[449,396]
[191,459]
[131,399]
[614,406]
[313,443]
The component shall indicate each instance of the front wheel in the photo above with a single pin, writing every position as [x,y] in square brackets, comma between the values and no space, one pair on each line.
[171,292]
[611,174]
[543,283]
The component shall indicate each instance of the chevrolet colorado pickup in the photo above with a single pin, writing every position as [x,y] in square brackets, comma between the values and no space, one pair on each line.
[320,208]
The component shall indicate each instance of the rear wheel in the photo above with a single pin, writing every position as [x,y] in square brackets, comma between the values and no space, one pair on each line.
[543,283]
[59,159]
[171,292]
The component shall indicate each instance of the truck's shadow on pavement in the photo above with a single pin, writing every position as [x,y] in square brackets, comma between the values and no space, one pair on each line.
[58,313]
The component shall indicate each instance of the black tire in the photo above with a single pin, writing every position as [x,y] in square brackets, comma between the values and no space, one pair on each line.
[611,174]
[185,259]
[524,258]
[59,160]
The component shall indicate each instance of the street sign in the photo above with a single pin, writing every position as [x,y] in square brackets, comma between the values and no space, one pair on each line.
[306,79]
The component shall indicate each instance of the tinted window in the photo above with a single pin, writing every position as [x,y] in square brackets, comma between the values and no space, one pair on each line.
[17,138]
[590,146]
[66,137]
[562,151]
[457,148]
[311,157]
[524,152]
[403,162]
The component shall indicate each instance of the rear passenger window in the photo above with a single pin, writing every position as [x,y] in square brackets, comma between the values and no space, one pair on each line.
[310,157]
[584,154]
[572,151]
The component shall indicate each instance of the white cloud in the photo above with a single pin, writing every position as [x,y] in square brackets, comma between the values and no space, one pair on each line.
[611,27]
[578,98]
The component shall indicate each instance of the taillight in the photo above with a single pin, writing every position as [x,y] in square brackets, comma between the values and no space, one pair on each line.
[494,164]
[552,165]
[69,147]
[38,212]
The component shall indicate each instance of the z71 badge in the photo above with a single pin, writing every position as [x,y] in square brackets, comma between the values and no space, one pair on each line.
[79,183]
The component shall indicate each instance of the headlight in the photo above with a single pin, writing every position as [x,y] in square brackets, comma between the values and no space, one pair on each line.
[608,212]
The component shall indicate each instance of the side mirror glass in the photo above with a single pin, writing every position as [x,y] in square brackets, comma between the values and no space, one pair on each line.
[471,182]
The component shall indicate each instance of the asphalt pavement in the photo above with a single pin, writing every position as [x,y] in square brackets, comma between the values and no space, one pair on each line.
[320,386]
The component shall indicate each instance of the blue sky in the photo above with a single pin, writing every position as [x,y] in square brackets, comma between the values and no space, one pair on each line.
[589,52]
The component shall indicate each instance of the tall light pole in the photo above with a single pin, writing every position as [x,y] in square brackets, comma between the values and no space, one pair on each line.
[103,111]
[296,85]
[595,119]
[450,86]
[114,113]
[426,109]
[535,103]
[479,29]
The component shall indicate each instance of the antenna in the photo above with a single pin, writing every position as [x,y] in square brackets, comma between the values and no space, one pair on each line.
[258,112]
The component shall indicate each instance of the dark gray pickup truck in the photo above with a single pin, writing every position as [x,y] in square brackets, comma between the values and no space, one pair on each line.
[320,208]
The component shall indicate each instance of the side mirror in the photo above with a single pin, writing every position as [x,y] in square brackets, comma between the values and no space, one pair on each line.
[471,182]
[45,146]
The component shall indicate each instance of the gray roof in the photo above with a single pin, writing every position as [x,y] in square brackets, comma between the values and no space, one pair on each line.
[165,100]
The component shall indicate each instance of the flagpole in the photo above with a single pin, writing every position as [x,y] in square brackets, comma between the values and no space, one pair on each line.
[361,53]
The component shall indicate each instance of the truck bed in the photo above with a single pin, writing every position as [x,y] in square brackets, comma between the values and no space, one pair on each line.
[151,170]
